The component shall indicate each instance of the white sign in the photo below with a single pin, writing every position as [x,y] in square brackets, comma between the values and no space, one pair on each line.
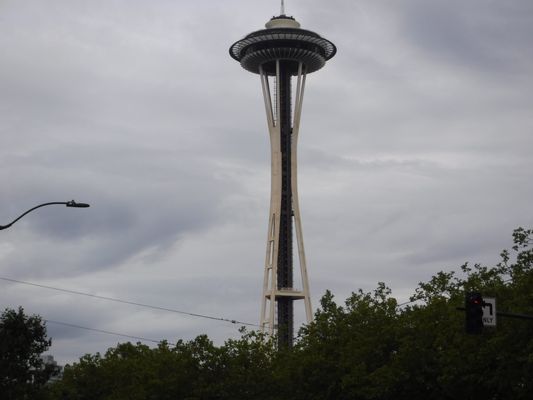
[489,311]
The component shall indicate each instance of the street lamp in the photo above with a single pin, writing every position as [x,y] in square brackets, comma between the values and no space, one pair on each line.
[70,203]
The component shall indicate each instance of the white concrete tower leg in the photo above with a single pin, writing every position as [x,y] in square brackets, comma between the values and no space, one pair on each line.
[270,290]
[298,101]
[268,299]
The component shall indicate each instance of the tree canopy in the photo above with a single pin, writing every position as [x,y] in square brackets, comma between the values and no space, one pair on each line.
[370,347]
[22,340]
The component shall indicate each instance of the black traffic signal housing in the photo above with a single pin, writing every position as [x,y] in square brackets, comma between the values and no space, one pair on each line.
[474,313]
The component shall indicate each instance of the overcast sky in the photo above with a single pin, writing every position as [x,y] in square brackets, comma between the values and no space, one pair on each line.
[414,155]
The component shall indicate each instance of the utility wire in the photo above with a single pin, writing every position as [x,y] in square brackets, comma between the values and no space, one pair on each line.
[101,331]
[233,321]
[406,302]
[415,300]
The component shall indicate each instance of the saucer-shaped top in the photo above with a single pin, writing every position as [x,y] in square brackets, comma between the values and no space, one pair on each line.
[283,39]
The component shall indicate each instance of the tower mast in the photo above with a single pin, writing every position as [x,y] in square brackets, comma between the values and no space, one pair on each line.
[278,53]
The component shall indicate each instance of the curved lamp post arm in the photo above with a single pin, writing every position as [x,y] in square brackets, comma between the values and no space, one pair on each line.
[71,203]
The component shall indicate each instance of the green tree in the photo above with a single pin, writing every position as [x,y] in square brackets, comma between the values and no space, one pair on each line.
[189,370]
[495,365]
[241,368]
[347,351]
[369,348]
[22,340]
[372,349]
[130,371]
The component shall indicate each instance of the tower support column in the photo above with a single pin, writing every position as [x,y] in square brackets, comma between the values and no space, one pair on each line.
[278,291]
[279,53]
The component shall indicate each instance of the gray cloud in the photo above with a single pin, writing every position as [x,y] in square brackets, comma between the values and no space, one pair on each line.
[414,154]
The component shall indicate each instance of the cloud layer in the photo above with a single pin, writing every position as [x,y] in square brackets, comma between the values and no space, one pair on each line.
[414,155]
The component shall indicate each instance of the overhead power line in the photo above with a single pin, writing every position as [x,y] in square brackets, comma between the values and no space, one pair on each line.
[405,303]
[101,331]
[134,303]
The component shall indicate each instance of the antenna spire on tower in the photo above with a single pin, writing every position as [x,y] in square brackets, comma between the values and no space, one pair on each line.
[282,7]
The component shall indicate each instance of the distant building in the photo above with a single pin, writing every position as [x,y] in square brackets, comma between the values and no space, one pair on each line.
[50,363]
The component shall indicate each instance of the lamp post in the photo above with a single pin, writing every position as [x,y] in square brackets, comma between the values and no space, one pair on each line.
[70,203]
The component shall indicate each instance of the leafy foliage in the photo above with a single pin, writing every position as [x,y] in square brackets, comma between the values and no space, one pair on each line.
[188,370]
[22,340]
[368,348]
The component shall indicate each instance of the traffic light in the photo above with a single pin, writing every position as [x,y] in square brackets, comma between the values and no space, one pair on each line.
[474,313]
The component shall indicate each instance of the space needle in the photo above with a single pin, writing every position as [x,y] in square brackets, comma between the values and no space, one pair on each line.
[278,54]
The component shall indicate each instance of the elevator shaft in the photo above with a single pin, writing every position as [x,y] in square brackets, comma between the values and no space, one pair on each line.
[285,308]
